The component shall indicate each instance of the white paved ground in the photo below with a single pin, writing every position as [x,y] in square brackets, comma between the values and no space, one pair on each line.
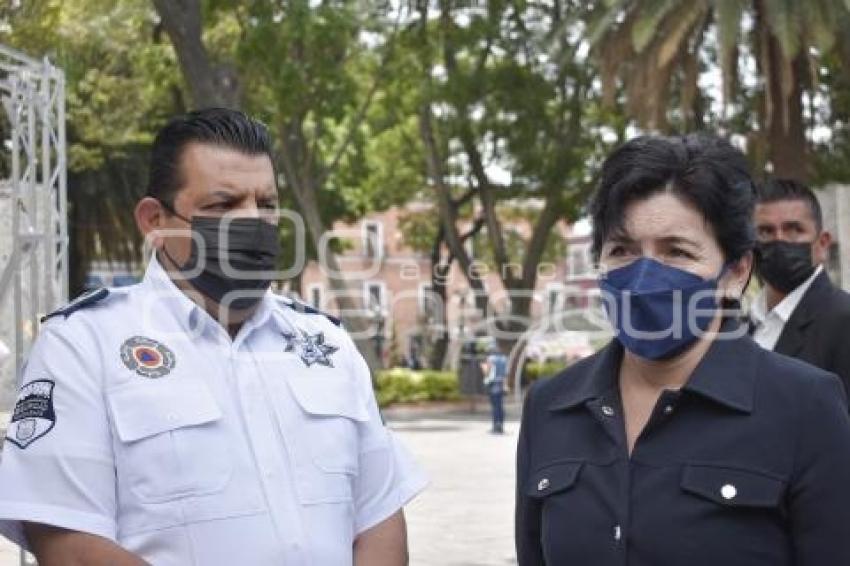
[465,517]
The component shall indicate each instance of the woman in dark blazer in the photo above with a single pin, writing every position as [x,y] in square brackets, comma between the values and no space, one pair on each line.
[681,443]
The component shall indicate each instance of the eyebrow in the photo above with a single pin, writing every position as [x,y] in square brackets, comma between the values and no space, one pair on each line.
[267,193]
[681,240]
[623,239]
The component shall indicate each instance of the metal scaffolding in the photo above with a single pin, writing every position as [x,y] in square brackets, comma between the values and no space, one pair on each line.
[33,205]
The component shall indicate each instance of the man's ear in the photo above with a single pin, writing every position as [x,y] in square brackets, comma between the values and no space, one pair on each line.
[149,217]
[822,243]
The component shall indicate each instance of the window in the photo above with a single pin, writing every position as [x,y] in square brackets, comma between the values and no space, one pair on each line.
[426,301]
[579,264]
[373,295]
[373,239]
[315,296]
[553,299]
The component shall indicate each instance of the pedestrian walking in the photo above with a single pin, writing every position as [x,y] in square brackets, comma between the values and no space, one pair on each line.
[495,370]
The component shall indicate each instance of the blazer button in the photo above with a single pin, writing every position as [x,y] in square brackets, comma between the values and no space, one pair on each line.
[728,491]
[543,484]
[607,411]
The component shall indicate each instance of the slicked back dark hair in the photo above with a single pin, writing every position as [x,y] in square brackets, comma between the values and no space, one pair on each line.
[221,127]
[774,189]
[703,170]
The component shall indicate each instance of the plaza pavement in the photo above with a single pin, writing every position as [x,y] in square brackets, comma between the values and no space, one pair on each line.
[465,517]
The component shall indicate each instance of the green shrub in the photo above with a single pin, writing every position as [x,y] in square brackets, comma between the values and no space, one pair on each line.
[401,385]
[538,370]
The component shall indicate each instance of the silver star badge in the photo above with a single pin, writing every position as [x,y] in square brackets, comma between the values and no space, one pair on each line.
[311,349]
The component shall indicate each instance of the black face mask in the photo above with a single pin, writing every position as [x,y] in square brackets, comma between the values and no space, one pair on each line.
[784,265]
[252,246]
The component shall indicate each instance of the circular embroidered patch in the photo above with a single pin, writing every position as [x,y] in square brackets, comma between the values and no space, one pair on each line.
[147,357]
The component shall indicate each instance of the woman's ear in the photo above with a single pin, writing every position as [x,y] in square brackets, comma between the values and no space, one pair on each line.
[738,276]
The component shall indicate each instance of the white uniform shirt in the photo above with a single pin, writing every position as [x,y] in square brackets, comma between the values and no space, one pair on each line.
[769,325]
[141,421]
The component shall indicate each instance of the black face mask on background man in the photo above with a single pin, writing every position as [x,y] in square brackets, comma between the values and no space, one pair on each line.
[252,246]
[784,265]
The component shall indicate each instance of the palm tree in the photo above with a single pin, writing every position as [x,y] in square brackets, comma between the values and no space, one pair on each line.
[656,48]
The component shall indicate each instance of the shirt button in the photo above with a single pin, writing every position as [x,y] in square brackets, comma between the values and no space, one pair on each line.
[607,411]
[668,409]
[618,532]
[728,491]
[543,484]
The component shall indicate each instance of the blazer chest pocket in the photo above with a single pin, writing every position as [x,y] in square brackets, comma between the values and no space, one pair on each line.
[172,440]
[551,479]
[733,487]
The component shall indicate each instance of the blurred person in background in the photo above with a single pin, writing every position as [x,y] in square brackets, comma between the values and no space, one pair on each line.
[799,312]
[495,370]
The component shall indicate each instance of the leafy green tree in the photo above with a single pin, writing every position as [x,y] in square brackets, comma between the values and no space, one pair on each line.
[502,89]
[121,84]
[658,48]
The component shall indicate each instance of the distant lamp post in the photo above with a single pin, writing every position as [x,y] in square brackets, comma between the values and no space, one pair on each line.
[380,323]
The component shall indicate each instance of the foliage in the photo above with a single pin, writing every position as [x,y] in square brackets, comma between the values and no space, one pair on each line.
[541,370]
[121,85]
[400,385]
[769,54]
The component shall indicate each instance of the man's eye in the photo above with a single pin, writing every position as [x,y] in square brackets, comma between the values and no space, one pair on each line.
[269,205]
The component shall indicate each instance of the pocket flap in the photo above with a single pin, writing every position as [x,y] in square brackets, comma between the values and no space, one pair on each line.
[147,408]
[552,478]
[328,396]
[732,486]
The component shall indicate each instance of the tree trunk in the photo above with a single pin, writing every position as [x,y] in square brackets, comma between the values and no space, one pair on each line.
[209,84]
[297,170]
[782,105]
[789,151]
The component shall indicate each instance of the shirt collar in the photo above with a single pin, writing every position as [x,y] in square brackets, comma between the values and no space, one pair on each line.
[725,375]
[187,312]
[786,306]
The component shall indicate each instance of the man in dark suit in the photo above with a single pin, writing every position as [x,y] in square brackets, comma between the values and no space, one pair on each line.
[799,312]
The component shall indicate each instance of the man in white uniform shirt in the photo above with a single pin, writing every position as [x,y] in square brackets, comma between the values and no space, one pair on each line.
[196,418]
[799,312]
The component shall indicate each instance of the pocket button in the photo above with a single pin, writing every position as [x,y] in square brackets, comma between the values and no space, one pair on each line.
[728,491]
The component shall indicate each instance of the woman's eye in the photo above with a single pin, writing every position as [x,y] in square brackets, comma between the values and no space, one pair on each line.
[617,251]
[678,252]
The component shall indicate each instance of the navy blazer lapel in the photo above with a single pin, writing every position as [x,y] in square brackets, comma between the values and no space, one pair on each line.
[792,339]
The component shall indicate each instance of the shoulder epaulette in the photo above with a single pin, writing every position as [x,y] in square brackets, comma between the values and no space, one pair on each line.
[83,301]
[307,309]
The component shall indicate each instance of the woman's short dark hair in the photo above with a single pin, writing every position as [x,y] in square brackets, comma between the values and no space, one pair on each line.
[704,170]
[215,126]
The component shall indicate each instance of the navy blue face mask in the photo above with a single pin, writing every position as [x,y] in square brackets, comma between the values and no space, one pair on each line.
[658,311]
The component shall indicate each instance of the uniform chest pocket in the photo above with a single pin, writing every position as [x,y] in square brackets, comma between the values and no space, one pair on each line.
[327,444]
[552,479]
[172,443]
[733,487]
